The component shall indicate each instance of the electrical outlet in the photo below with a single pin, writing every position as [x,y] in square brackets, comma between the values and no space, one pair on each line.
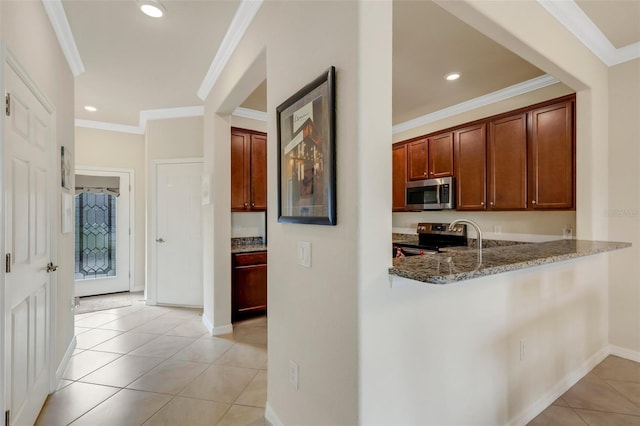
[523,349]
[293,373]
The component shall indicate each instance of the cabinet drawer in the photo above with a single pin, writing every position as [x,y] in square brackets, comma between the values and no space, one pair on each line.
[244,259]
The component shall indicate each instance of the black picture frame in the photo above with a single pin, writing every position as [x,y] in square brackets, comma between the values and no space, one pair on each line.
[307,154]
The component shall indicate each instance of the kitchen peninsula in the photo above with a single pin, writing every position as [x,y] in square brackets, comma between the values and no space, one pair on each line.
[459,264]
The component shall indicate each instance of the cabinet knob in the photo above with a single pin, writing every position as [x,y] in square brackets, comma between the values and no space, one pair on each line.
[245,204]
[482,203]
[533,202]
[253,204]
[425,173]
[491,203]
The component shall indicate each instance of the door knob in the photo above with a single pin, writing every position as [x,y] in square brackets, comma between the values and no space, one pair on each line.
[51,267]
[160,240]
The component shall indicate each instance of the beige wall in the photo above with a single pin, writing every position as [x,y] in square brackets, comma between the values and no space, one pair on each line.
[623,210]
[103,148]
[27,34]
[312,312]
[166,140]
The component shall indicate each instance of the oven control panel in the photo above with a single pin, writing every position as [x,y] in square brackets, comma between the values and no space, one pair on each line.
[441,229]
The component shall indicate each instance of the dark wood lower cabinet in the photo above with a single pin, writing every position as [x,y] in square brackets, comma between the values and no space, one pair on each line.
[249,285]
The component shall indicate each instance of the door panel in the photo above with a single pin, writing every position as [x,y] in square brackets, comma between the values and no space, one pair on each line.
[121,281]
[178,234]
[28,180]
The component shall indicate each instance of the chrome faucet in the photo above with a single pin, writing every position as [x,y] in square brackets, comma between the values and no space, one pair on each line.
[472,223]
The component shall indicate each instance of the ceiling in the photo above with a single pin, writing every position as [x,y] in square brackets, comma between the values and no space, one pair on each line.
[134,63]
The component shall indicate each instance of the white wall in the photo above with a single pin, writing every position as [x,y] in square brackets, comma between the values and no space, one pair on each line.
[165,140]
[27,33]
[623,210]
[103,148]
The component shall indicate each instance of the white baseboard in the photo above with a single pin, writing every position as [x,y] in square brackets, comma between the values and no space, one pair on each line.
[624,353]
[216,331]
[560,388]
[65,359]
[207,324]
[271,416]
[223,329]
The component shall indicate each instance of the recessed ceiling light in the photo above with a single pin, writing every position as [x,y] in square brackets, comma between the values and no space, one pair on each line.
[452,76]
[152,8]
[91,108]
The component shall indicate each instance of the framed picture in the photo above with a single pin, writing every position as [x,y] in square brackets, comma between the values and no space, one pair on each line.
[65,167]
[307,154]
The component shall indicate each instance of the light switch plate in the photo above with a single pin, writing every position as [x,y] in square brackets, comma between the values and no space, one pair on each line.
[304,254]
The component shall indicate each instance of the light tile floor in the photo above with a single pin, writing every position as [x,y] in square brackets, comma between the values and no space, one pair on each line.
[608,396]
[154,365]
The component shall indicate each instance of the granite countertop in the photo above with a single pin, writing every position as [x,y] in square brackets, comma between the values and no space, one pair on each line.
[247,244]
[459,265]
[248,248]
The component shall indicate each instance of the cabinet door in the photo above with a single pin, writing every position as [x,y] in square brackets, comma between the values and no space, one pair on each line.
[249,291]
[507,158]
[258,172]
[551,157]
[417,160]
[399,178]
[471,169]
[239,172]
[441,155]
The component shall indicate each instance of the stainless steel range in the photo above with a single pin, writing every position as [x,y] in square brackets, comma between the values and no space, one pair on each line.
[431,238]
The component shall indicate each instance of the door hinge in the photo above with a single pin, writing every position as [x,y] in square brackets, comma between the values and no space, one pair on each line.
[7,104]
[7,263]
[7,418]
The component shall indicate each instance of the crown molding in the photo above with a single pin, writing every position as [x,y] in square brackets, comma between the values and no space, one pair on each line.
[569,14]
[60,24]
[250,113]
[166,113]
[484,100]
[101,125]
[241,21]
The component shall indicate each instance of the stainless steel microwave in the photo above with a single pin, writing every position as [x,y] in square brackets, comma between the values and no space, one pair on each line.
[431,194]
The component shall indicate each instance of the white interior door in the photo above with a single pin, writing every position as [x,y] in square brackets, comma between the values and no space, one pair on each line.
[28,190]
[102,267]
[178,237]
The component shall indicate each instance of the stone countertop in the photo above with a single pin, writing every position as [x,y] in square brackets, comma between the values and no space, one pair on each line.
[248,248]
[459,265]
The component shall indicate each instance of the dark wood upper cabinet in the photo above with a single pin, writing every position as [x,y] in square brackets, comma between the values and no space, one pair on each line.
[248,170]
[399,176]
[519,160]
[417,165]
[471,170]
[507,162]
[258,172]
[441,155]
[551,157]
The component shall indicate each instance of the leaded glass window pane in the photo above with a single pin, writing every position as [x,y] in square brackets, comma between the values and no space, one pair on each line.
[95,254]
